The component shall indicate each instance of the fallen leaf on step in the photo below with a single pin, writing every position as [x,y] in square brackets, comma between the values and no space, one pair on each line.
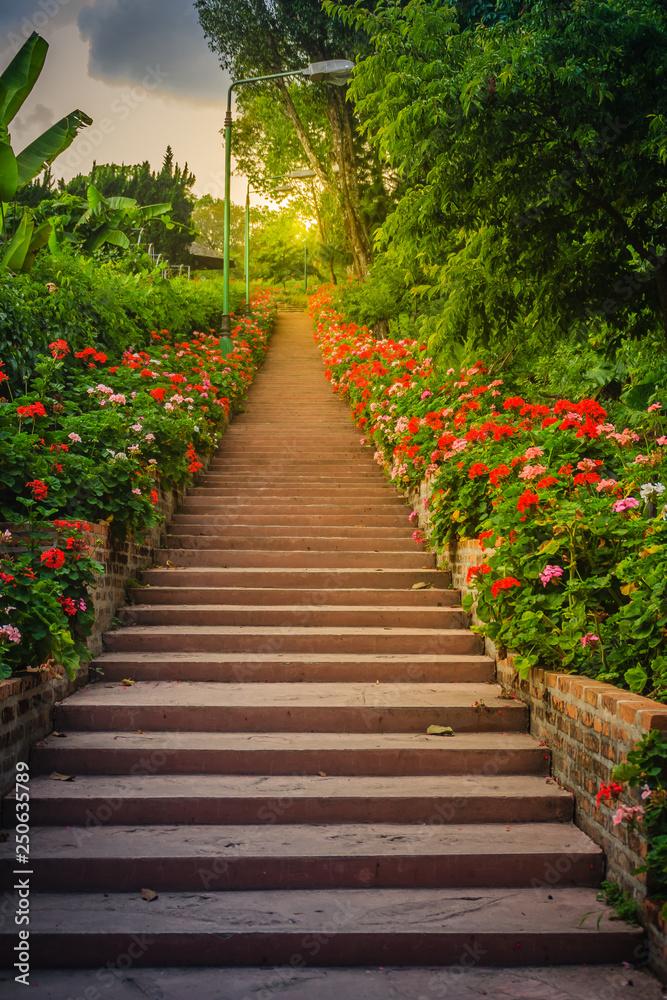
[61,735]
[148,895]
[4,836]
[170,564]
[322,774]
[420,586]
[127,681]
[440,731]
[61,777]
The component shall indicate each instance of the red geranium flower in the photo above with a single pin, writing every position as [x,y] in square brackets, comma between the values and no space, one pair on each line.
[527,499]
[504,584]
[477,469]
[53,558]
[39,489]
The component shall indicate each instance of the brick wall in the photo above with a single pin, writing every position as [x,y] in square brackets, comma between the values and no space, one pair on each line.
[28,698]
[589,727]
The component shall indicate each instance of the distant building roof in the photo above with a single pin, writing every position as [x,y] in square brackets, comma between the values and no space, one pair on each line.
[206,258]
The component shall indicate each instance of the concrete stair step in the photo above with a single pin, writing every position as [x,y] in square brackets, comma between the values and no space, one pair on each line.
[292,542]
[357,533]
[161,752]
[309,578]
[262,596]
[294,559]
[304,615]
[377,980]
[272,639]
[257,799]
[299,856]
[293,668]
[283,707]
[346,506]
[301,520]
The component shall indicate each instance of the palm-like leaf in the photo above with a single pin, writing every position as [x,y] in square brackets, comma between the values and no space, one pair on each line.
[20,77]
[43,151]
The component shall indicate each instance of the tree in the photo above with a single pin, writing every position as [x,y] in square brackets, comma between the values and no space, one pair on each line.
[258,37]
[529,141]
[138,182]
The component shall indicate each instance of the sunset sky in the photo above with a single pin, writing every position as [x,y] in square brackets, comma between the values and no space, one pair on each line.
[140,68]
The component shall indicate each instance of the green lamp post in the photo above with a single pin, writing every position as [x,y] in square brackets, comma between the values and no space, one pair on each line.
[336,71]
[246,254]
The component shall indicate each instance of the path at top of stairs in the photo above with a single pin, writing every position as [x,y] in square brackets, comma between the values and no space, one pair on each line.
[268,771]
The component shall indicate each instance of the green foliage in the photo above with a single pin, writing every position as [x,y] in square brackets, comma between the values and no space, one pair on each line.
[90,303]
[529,143]
[626,907]
[570,509]
[20,238]
[128,193]
[646,769]
[49,610]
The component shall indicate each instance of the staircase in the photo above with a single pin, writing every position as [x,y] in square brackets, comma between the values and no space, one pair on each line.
[274,743]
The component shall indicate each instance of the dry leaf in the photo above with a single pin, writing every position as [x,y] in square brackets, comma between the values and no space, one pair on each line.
[148,895]
[127,682]
[420,586]
[322,774]
[61,777]
[440,731]
[4,836]
[61,735]
[170,564]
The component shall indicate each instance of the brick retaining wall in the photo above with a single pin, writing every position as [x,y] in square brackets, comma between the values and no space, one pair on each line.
[589,727]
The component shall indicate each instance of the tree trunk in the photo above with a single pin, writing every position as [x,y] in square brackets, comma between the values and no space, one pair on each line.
[339,115]
[346,185]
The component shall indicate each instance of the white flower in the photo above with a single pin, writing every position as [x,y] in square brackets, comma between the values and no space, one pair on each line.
[650,489]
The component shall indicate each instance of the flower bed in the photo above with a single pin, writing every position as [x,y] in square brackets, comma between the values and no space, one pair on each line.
[95,439]
[570,507]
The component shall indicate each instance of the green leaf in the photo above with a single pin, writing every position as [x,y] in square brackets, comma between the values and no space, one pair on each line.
[9,173]
[19,245]
[20,77]
[43,150]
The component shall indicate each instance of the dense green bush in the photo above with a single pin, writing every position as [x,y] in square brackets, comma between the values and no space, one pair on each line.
[112,306]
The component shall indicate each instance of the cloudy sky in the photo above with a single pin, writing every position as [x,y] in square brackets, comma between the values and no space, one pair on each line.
[140,68]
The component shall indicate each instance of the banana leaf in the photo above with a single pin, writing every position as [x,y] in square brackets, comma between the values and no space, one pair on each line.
[14,256]
[9,173]
[40,238]
[106,234]
[20,77]
[43,151]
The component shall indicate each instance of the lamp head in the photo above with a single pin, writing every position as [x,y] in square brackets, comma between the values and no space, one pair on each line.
[302,174]
[336,71]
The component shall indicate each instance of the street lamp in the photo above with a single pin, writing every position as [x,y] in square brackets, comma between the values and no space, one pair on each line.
[246,256]
[335,71]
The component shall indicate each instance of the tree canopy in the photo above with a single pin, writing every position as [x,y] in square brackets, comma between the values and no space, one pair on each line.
[529,143]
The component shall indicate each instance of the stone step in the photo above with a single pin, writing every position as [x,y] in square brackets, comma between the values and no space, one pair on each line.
[306,558]
[303,615]
[280,505]
[293,667]
[270,639]
[257,799]
[469,977]
[285,707]
[301,520]
[367,495]
[357,533]
[313,578]
[97,859]
[262,596]
[259,540]
[289,753]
